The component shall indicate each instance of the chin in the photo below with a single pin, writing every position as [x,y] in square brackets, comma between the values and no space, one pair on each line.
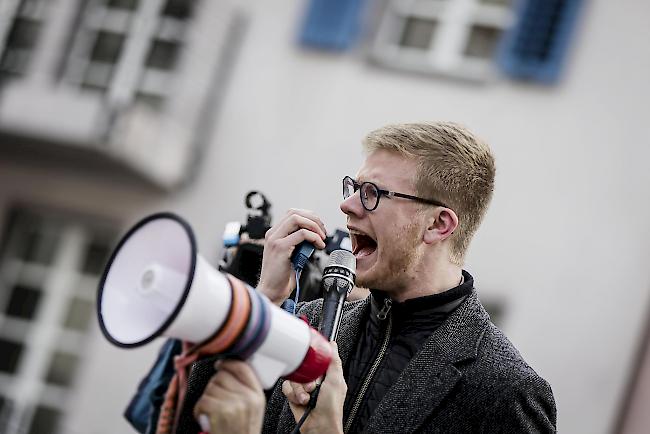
[371,279]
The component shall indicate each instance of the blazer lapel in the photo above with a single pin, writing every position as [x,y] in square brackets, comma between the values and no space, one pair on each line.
[350,328]
[431,374]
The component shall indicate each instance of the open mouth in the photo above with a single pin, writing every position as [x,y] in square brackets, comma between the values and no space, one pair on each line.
[362,244]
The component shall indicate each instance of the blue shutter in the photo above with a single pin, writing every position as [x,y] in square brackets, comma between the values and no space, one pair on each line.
[331,24]
[535,48]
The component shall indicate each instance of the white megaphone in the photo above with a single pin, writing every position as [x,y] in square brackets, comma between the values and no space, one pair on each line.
[156,284]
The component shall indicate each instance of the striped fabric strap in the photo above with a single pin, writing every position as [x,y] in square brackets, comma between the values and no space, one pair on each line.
[235,323]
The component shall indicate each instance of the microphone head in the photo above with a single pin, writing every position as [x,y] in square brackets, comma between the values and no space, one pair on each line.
[340,271]
[343,258]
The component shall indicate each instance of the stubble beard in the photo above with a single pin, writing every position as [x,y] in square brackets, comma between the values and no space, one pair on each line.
[390,270]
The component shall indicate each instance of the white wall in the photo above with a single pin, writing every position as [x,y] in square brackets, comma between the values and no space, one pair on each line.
[565,243]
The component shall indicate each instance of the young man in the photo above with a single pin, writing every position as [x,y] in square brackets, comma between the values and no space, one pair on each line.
[420,354]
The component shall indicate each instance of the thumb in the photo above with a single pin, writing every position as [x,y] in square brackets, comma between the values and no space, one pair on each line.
[335,366]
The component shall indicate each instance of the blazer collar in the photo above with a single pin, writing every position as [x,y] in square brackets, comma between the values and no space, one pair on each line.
[350,328]
[431,374]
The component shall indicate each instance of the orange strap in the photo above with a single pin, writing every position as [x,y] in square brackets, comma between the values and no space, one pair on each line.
[237,320]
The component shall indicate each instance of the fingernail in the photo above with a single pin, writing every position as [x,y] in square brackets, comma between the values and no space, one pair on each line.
[304,398]
[204,421]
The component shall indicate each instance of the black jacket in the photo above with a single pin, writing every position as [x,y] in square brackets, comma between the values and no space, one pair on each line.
[391,335]
[466,378]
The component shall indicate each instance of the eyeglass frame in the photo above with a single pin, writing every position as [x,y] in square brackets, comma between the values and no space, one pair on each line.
[381,192]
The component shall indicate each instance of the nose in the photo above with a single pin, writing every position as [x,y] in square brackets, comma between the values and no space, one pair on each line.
[352,206]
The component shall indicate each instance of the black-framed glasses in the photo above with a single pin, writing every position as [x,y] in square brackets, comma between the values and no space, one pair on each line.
[370,194]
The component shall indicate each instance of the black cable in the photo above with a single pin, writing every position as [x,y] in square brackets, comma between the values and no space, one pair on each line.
[310,406]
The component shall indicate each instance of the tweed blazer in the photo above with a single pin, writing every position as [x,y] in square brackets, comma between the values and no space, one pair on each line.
[467,377]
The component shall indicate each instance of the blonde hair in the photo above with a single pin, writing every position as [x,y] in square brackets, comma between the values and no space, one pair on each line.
[454,167]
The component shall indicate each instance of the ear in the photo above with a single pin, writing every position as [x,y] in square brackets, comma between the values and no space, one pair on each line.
[444,222]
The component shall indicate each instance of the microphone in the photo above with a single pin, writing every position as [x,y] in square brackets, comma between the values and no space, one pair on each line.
[338,281]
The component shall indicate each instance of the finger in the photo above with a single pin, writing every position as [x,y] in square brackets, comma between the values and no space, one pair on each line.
[295,393]
[242,372]
[308,387]
[302,235]
[222,381]
[205,405]
[336,359]
[335,368]
[311,215]
[212,408]
[296,221]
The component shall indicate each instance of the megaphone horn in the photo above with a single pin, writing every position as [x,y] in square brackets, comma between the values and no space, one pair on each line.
[156,284]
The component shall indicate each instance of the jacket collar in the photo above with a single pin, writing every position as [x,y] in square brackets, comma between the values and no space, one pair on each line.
[432,373]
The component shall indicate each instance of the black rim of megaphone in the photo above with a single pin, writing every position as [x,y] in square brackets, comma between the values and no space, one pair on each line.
[186,291]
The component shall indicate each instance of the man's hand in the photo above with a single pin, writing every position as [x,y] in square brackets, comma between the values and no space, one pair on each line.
[276,279]
[327,416]
[233,401]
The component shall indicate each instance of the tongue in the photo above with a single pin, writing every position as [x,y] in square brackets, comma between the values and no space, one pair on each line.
[365,251]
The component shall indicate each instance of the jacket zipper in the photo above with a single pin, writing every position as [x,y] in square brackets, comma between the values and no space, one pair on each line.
[382,314]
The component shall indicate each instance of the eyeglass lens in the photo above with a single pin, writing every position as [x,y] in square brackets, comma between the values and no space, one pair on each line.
[368,194]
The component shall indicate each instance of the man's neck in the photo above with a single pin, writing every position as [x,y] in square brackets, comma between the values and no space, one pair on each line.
[429,281]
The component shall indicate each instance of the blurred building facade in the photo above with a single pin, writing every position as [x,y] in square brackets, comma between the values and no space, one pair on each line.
[112,109]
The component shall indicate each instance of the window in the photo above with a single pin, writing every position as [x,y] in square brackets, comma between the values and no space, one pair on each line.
[62,369]
[96,254]
[5,409]
[22,37]
[79,314]
[99,43]
[128,50]
[11,354]
[49,269]
[45,420]
[482,42]
[122,4]
[418,33]
[472,38]
[451,37]
[23,301]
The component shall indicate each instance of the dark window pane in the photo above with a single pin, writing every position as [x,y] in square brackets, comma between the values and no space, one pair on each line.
[11,352]
[45,421]
[93,88]
[108,46]
[418,33]
[482,41]
[180,9]
[497,2]
[122,4]
[6,406]
[154,101]
[98,75]
[23,34]
[23,302]
[80,313]
[162,55]
[96,257]
[38,247]
[14,63]
[62,369]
